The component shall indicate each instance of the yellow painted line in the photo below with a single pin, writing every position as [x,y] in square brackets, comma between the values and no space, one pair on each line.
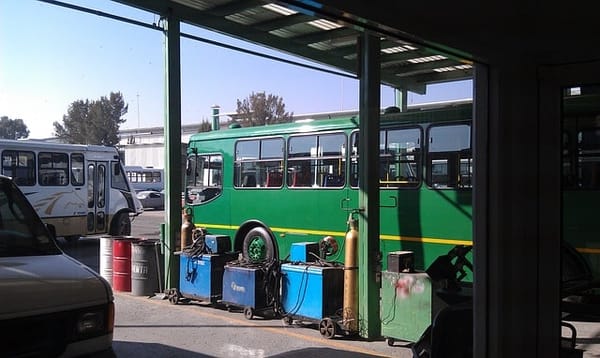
[588,250]
[294,231]
[307,232]
[428,240]
[245,322]
[217,226]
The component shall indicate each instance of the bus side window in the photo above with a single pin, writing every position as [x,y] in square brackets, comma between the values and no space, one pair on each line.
[274,179]
[53,168]
[77,172]
[449,160]
[19,165]
[317,161]
[257,163]
[249,181]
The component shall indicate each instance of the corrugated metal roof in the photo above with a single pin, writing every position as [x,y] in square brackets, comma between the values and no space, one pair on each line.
[330,42]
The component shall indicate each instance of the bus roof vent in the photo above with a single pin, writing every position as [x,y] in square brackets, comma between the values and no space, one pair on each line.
[234,126]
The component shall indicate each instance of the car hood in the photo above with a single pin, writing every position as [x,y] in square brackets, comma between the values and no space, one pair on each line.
[32,285]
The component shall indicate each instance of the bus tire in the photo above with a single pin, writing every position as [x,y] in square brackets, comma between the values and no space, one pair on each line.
[121,225]
[258,246]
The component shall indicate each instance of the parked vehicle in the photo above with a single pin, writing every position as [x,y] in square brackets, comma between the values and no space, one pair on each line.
[268,187]
[145,178]
[53,305]
[151,199]
[80,189]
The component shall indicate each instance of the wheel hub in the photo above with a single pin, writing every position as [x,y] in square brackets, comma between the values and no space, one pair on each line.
[257,250]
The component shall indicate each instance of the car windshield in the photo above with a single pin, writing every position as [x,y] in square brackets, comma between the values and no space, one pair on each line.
[22,233]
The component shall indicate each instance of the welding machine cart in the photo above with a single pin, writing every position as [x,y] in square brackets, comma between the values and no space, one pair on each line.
[201,267]
[313,292]
[252,287]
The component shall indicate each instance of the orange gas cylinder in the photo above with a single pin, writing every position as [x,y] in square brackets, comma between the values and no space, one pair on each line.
[350,309]
[187,228]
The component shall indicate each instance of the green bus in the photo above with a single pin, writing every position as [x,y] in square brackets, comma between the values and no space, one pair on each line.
[270,186]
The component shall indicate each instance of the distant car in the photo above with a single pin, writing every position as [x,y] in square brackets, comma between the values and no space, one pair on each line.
[151,199]
[52,305]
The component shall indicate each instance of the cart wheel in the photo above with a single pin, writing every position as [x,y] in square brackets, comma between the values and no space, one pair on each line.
[390,341]
[174,296]
[287,320]
[327,328]
[248,312]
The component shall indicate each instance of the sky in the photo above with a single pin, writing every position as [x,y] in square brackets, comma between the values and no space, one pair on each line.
[51,56]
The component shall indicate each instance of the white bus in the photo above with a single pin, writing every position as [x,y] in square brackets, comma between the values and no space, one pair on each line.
[145,178]
[80,189]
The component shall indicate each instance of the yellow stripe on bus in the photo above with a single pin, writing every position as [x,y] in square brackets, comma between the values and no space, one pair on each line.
[588,250]
[428,240]
[291,231]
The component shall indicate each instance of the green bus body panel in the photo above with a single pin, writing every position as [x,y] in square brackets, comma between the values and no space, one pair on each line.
[424,220]
[579,224]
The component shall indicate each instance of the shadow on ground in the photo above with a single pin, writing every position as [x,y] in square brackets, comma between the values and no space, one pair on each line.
[141,349]
[322,352]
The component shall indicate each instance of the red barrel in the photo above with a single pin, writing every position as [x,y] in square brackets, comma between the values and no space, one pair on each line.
[122,264]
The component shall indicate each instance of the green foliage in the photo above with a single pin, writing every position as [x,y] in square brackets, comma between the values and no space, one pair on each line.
[260,109]
[93,122]
[13,128]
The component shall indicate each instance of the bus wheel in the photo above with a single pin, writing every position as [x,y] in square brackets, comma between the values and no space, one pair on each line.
[258,246]
[121,225]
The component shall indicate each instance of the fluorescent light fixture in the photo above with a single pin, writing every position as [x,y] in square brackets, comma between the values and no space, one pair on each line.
[324,24]
[396,49]
[452,68]
[575,91]
[444,69]
[280,9]
[463,67]
[427,59]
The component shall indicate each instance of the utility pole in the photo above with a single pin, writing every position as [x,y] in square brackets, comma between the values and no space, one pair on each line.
[138,109]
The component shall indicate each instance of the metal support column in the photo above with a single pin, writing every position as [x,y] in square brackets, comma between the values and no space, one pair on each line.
[172,149]
[369,260]
[401,96]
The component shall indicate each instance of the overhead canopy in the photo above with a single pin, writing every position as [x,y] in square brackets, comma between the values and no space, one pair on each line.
[331,42]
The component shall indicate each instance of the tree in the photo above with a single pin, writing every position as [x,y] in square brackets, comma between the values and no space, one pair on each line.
[93,122]
[260,109]
[205,126]
[13,128]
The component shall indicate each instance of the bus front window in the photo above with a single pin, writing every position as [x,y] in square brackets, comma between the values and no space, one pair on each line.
[204,178]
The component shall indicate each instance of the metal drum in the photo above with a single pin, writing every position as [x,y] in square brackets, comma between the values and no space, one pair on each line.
[122,264]
[106,259]
[144,268]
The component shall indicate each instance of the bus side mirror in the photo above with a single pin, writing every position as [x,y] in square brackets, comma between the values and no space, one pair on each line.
[117,170]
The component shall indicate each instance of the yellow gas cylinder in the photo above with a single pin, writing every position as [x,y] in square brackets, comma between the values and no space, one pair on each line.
[187,228]
[350,309]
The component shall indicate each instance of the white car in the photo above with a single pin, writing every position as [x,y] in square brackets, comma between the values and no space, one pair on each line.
[52,305]
[151,199]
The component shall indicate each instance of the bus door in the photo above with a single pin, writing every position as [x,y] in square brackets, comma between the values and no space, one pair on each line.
[98,190]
